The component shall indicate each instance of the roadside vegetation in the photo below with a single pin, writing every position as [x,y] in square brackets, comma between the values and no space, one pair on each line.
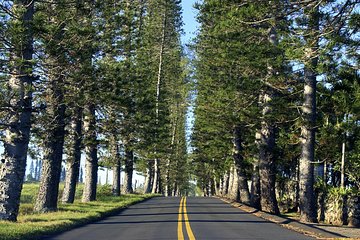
[32,225]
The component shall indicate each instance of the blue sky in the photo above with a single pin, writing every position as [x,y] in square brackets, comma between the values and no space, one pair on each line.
[189,19]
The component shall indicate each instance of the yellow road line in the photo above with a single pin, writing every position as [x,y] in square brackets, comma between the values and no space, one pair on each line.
[179,229]
[187,224]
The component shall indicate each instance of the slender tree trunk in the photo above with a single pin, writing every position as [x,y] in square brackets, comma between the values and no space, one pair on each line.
[342,181]
[175,190]
[221,186]
[212,186]
[226,183]
[155,186]
[168,163]
[17,133]
[234,193]
[167,179]
[116,170]
[156,179]
[73,161]
[306,178]
[229,186]
[255,186]
[325,179]
[217,186]
[129,168]
[54,140]
[239,173]
[91,159]
[306,167]
[148,178]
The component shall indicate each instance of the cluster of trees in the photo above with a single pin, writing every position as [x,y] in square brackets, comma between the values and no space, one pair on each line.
[270,76]
[105,79]
[34,171]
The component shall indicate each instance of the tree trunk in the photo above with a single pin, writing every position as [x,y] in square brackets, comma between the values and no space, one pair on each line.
[148,179]
[116,170]
[54,141]
[306,176]
[212,186]
[221,186]
[306,168]
[255,187]
[217,186]
[175,190]
[266,141]
[226,181]
[168,163]
[266,156]
[167,179]
[73,161]
[239,173]
[342,179]
[234,193]
[17,133]
[129,168]
[156,177]
[91,159]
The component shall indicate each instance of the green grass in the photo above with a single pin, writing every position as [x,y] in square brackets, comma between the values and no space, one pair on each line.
[33,225]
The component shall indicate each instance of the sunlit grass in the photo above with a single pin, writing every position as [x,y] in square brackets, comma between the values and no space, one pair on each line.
[32,225]
[292,215]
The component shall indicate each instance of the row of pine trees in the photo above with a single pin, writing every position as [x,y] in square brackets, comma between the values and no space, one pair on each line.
[102,79]
[277,94]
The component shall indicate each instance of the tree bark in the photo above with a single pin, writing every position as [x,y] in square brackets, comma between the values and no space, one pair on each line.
[116,170]
[168,163]
[266,140]
[148,178]
[226,181]
[175,192]
[91,159]
[167,179]
[342,179]
[239,173]
[307,199]
[156,177]
[17,134]
[233,192]
[255,187]
[129,168]
[217,186]
[73,161]
[54,139]
[306,177]
[266,156]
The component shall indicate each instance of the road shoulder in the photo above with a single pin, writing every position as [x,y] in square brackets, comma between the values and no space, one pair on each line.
[312,230]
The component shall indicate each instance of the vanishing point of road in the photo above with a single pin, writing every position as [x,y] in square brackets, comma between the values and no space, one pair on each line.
[175,218]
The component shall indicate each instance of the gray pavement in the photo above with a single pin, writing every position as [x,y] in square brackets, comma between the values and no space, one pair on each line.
[157,218]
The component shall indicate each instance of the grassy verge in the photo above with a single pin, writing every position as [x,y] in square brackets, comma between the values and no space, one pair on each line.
[32,225]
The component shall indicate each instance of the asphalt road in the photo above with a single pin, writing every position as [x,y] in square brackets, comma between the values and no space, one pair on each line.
[197,218]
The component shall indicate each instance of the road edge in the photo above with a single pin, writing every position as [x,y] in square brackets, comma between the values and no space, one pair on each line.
[104,215]
[287,223]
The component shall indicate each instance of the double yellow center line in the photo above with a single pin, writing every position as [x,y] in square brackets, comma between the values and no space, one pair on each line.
[182,211]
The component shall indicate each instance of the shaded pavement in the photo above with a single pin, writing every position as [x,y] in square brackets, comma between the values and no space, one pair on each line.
[157,218]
